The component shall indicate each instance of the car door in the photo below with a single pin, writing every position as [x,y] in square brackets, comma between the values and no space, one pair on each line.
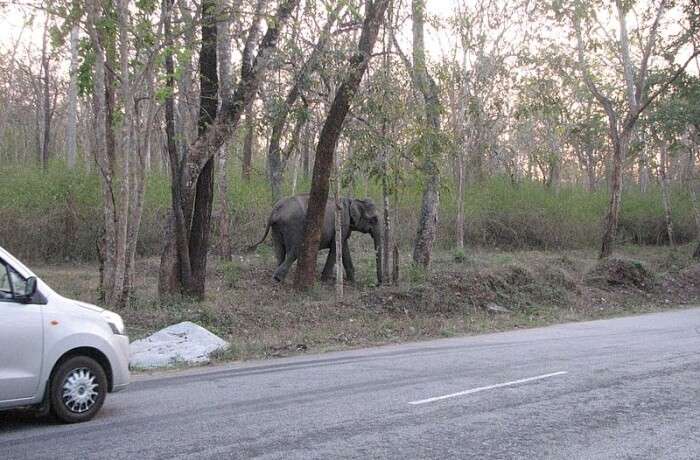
[21,340]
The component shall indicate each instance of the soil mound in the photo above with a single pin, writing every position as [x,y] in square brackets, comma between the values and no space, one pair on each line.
[615,272]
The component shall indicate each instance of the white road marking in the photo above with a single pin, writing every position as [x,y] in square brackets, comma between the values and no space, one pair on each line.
[490,387]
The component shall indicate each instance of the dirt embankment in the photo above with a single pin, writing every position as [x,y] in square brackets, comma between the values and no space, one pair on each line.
[482,292]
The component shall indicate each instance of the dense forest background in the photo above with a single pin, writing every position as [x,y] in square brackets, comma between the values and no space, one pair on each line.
[139,129]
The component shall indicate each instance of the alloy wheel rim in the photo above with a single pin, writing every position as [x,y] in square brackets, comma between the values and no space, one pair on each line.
[80,390]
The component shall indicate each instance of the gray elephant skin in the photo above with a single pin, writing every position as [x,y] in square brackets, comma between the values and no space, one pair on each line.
[286,223]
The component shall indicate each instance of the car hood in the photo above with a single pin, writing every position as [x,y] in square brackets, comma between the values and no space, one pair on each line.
[88,306]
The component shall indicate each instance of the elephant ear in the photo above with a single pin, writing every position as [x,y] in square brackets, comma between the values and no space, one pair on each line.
[355,212]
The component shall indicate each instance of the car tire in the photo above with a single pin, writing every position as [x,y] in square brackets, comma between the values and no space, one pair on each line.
[77,390]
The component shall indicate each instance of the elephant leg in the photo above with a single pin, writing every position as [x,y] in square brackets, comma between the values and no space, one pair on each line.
[281,272]
[328,268]
[347,263]
[280,252]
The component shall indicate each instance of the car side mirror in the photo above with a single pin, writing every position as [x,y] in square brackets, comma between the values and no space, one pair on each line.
[29,290]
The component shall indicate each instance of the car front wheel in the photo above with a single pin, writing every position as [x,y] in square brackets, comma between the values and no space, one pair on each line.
[78,389]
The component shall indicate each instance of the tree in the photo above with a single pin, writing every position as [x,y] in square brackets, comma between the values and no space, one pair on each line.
[46,95]
[72,122]
[325,150]
[673,126]
[250,122]
[623,117]
[183,262]
[299,86]
[122,181]
[427,226]
[225,89]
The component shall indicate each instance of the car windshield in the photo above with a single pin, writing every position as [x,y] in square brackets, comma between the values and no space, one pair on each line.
[8,259]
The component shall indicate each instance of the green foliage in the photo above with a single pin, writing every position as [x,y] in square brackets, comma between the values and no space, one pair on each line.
[230,271]
[29,189]
[459,256]
[57,215]
[85,73]
[417,274]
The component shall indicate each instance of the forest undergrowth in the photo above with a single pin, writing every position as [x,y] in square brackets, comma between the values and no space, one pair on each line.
[483,291]
[56,216]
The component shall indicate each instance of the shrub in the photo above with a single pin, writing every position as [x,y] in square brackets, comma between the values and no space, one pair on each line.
[459,256]
[56,216]
[230,271]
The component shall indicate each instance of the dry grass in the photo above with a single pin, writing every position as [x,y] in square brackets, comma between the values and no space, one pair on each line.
[264,319]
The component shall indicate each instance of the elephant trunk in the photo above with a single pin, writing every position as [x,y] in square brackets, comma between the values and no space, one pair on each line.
[377,237]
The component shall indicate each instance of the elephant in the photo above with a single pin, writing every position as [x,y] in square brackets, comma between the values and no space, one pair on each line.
[286,222]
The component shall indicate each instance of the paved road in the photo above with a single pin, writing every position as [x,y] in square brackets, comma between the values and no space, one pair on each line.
[623,388]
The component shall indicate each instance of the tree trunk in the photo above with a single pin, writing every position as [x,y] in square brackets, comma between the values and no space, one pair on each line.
[338,219]
[295,174]
[72,109]
[665,192]
[306,268]
[100,104]
[46,96]
[175,267]
[193,187]
[620,146]
[590,172]
[386,207]
[306,150]
[186,110]
[427,226]
[643,166]
[225,90]
[248,141]
[387,239]
[460,202]
[692,188]
[122,181]
[395,272]
[208,105]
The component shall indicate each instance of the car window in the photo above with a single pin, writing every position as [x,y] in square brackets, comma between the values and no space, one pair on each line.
[11,283]
[19,284]
[5,287]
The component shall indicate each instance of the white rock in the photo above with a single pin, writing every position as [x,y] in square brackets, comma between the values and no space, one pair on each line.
[181,343]
[495,308]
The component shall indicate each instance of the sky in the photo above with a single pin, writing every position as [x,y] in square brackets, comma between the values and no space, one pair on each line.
[11,27]
[437,43]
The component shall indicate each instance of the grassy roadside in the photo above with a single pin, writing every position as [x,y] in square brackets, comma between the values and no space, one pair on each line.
[262,319]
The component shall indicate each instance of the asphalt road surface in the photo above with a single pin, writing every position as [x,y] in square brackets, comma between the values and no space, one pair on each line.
[622,388]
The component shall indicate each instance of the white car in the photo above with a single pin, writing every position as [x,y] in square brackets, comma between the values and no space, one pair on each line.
[56,354]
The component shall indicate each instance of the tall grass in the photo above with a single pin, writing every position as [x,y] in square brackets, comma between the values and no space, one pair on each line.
[57,215]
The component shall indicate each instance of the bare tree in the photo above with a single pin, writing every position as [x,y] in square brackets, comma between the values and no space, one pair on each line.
[183,265]
[250,122]
[664,182]
[338,219]
[225,90]
[72,115]
[427,226]
[46,94]
[122,182]
[275,158]
[248,143]
[621,124]
[325,150]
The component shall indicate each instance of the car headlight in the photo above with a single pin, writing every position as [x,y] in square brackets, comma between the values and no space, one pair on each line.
[115,322]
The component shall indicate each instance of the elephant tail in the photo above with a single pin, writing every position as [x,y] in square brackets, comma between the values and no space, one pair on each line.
[255,246]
